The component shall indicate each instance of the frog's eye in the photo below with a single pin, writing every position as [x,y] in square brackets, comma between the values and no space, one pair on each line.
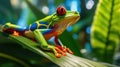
[61,10]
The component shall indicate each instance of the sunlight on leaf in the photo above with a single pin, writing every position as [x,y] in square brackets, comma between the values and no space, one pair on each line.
[105,30]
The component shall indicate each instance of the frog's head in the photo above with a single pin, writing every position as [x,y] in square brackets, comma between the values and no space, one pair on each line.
[63,18]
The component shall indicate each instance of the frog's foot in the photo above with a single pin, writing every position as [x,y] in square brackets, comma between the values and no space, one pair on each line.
[10,31]
[15,33]
[55,50]
[64,49]
[59,51]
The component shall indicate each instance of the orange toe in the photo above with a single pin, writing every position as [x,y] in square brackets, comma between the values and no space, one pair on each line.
[64,50]
[58,55]
[60,51]
[15,33]
[69,51]
[64,54]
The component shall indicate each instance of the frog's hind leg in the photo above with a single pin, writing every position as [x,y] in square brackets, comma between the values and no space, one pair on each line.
[9,25]
[13,29]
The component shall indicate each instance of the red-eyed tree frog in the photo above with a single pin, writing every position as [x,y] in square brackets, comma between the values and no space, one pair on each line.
[43,29]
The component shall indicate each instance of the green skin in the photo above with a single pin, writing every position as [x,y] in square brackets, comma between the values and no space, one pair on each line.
[61,22]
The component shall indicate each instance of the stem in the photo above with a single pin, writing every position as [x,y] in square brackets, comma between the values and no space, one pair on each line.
[105,56]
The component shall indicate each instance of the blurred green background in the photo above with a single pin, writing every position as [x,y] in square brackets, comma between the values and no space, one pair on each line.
[78,37]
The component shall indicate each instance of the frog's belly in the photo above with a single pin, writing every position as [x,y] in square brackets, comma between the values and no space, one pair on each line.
[29,34]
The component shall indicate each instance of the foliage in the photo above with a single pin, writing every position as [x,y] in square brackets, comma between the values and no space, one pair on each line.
[7,13]
[20,51]
[105,30]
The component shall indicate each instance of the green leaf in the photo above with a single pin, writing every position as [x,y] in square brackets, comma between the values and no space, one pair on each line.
[67,61]
[105,29]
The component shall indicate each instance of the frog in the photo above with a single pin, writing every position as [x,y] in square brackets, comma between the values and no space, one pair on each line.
[44,29]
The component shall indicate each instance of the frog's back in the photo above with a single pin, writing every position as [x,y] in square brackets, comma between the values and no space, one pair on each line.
[41,25]
[38,25]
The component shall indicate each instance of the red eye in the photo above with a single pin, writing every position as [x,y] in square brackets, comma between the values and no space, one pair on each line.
[61,10]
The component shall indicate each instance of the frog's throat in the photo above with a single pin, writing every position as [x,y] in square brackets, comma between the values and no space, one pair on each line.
[64,23]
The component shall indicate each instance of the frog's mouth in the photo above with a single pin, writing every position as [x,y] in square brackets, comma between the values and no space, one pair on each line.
[64,23]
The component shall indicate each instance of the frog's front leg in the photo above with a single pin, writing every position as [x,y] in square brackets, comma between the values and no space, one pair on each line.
[43,43]
[59,45]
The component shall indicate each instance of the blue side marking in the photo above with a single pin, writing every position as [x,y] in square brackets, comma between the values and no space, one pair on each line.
[47,31]
[21,29]
[27,28]
[33,26]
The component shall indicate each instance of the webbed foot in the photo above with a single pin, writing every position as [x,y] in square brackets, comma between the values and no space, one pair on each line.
[62,50]
[8,29]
